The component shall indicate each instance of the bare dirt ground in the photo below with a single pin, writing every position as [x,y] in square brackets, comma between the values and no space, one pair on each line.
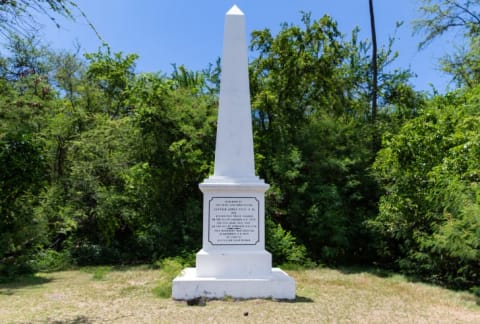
[125,295]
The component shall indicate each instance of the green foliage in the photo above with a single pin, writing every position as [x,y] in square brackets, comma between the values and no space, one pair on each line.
[439,17]
[99,272]
[113,74]
[163,289]
[177,141]
[429,215]
[21,176]
[20,17]
[169,269]
[283,246]
[23,168]
[50,260]
[98,158]
[100,165]
[86,253]
[310,93]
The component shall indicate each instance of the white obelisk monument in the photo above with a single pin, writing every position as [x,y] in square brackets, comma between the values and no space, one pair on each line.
[233,261]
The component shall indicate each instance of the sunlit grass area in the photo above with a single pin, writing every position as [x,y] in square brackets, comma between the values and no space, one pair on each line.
[131,295]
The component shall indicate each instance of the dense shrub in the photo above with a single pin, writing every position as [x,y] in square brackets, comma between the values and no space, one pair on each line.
[429,217]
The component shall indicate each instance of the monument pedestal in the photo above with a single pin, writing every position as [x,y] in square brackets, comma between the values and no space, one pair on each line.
[277,285]
[233,261]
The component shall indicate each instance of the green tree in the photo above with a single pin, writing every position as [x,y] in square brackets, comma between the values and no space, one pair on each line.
[311,93]
[119,155]
[373,31]
[439,17]
[21,178]
[24,106]
[428,217]
[133,149]
[113,74]
[20,17]
[177,143]
[91,144]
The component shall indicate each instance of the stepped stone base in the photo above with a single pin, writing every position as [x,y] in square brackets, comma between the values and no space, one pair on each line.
[277,285]
[236,264]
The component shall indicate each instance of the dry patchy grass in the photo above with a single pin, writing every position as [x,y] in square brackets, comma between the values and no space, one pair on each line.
[125,295]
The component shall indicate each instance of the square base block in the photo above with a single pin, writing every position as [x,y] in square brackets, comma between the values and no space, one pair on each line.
[277,285]
[236,264]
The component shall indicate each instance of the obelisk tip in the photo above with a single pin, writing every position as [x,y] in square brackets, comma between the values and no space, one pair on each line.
[235,11]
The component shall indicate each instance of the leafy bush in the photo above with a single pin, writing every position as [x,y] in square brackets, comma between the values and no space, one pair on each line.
[98,272]
[283,246]
[169,269]
[50,260]
[21,177]
[429,218]
[93,254]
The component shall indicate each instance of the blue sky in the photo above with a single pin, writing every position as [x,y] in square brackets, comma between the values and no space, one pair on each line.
[190,32]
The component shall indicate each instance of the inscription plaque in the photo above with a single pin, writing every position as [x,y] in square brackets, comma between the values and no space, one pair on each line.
[233,221]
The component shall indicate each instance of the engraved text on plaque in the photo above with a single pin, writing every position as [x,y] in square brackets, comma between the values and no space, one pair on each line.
[233,221]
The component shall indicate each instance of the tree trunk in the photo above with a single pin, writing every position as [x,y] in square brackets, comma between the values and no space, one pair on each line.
[374,62]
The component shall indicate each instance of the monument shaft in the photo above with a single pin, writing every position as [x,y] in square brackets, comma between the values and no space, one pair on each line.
[233,260]
[234,146]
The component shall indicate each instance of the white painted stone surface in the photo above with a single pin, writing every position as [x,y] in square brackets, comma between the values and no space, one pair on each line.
[278,286]
[235,264]
[233,261]
[235,191]
[234,144]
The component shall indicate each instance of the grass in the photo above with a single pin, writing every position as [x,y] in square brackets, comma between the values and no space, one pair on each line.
[98,273]
[128,295]
[170,268]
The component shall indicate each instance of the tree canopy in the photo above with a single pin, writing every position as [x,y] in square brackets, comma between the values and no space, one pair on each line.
[101,164]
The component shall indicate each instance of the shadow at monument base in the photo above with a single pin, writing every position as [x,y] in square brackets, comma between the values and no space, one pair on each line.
[301,299]
[202,301]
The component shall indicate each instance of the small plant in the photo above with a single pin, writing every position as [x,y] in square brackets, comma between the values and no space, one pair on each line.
[228,298]
[476,292]
[98,273]
[101,272]
[169,269]
[284,246]
[163,289]
[51,260]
